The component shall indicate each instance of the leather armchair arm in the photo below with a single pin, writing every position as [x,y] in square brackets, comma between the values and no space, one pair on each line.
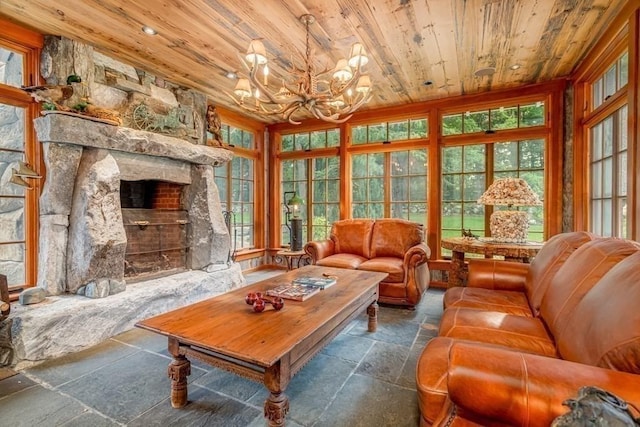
[416,255]
[504,386]
[495,274]
[319,249]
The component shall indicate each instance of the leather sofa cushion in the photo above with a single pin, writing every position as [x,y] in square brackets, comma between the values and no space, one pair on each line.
[511,302]
[526,334]
[352,236]
[342,261]
[393,266]
[431,377]
[582,270]
[394,237]
[604,329]
[548,261]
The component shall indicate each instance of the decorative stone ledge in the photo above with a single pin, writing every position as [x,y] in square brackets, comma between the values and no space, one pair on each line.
[69,323]
[65,129]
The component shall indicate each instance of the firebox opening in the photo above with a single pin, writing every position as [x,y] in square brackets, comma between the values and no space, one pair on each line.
[156,224]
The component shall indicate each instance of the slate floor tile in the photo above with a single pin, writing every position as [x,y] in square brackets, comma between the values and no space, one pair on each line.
[229,384]
[126,388]
[15,384]
[367,402]
[90,419]
[143,339]
[313,388]
[385,361]
[74,365]
[348,347]
[205,408]
[38,406]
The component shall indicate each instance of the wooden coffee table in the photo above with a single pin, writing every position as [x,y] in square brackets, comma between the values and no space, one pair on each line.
[268,347]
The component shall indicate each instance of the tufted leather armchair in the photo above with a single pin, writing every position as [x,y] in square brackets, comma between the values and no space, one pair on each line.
[392,246]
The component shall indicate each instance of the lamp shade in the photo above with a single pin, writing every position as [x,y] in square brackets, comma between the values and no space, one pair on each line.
[256,54]
[358,56]
[342,72]
[510,192]
[294,201]
[243,88]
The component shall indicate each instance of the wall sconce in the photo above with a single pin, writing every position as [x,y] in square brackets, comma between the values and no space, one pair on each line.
[23,171]
[293,221]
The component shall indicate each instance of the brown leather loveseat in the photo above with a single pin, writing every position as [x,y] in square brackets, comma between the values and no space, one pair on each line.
[520,339]
[393,246]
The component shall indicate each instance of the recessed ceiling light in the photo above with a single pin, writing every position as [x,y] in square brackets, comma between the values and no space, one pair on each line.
[148,30]
[231,75]
[515,66]
[486,71]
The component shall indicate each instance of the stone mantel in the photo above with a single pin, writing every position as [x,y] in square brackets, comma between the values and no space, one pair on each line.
[64,129]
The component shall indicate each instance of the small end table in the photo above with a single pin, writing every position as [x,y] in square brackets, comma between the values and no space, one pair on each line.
[289,257]
[518,252]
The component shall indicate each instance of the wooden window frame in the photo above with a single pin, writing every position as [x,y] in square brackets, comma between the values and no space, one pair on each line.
[623,34]
[552,93]
[257,155]
[28,43]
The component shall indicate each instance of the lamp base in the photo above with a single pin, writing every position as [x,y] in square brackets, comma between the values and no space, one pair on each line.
[296,234]
[509,226]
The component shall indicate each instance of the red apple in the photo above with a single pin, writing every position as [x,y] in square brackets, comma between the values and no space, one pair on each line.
[259,305]
[277,303]
[250,298]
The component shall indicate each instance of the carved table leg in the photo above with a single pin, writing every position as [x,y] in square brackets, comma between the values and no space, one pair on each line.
[372,311]
[178,371]
[276,408]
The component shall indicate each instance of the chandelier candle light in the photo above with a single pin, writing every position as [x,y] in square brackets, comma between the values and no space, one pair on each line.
[331,95]
[509,226]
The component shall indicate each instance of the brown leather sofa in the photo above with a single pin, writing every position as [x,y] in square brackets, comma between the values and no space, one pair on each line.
[495,363]
[392,246]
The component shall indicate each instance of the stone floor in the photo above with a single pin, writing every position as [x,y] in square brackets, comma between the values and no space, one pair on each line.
[359,379]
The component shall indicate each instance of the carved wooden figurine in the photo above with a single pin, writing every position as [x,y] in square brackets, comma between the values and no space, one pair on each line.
[214,125]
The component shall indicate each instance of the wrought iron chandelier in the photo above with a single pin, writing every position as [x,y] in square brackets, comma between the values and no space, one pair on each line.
[331,95]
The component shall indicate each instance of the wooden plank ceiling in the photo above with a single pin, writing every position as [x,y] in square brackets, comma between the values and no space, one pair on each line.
[409,41]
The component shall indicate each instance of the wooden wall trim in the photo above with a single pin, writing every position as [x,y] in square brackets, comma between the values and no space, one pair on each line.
[21,35]
[633,203]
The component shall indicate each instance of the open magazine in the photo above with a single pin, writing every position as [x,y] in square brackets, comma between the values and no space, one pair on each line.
[293,291]
[315,282]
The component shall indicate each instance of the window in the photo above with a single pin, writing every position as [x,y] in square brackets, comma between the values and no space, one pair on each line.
[608,169]
[616,77]
[389,131]
[236,185]
[464,180]
[317,181]
[505,117]
[464,172]
[18,202]
[403,172]
[607,142]
[307,141]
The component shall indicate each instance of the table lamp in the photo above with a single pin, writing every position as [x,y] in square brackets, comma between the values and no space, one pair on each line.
[509,226]
[294,222]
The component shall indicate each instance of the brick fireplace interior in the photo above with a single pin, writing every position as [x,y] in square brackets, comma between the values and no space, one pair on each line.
[155,223]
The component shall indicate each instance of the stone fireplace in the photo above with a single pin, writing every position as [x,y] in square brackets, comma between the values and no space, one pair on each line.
[120,204]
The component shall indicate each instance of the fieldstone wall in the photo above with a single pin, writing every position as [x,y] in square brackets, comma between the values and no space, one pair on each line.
[144,101]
